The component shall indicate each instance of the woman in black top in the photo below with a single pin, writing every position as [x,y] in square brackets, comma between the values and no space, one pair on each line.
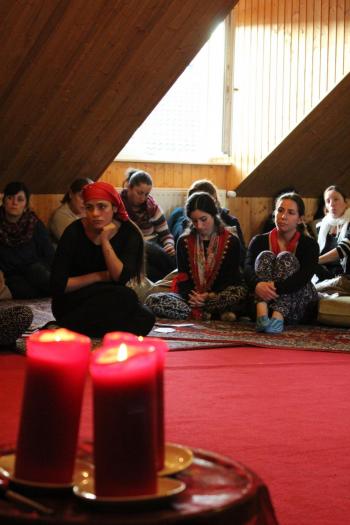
[26,253]
[279,267]
[178,221]
[208,284]
[95,258]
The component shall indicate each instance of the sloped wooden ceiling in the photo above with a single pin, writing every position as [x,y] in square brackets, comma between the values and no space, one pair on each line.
[78,77]
[313,156]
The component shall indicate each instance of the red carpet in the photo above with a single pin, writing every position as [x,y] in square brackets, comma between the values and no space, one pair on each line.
[283,414]
[215,334]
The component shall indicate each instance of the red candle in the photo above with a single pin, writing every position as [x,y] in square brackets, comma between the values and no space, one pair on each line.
[161,348]
[57,364]
[115,338]
[124,394]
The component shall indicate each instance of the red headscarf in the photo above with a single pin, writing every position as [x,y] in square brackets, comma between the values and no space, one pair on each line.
[106,192]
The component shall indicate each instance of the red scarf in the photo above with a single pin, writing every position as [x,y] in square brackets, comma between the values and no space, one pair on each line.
[203,270]
[275,247]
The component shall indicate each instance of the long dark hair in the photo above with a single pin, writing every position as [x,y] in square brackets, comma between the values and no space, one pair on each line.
[202,201]
[135,177]
[295,197]
[140,255]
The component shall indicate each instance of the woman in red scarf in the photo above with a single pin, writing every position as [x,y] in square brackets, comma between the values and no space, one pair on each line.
[95,258]
[279,267]
[209,283]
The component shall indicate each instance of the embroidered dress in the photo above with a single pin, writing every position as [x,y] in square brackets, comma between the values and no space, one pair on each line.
[213,268]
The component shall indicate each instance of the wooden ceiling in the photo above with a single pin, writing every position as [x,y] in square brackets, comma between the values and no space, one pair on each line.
[313,156]
[77,78]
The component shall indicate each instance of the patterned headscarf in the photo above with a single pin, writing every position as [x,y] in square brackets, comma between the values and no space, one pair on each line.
[107,192]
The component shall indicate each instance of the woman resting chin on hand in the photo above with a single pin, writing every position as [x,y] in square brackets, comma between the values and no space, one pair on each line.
[95,258]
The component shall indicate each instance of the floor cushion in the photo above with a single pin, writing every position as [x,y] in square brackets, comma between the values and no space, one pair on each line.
[334,310]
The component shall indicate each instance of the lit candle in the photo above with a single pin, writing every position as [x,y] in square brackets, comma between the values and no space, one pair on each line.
[115,338]
[124,394]
[57,364]
[161,348]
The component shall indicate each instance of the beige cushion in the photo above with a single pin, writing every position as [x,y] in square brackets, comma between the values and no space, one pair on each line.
[334,310]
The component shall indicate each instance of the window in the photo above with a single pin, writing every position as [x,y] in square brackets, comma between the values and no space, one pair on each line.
[186,126]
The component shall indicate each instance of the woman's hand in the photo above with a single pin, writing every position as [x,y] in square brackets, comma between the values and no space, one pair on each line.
[197,299]
[266,290]
[109,231]
[169,249]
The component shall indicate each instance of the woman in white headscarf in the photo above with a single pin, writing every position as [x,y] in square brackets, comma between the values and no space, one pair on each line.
[334,241]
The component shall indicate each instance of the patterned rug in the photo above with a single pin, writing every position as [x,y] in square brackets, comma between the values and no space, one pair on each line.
[215,334]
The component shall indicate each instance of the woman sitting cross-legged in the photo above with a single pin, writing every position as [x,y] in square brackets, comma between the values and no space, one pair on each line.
[95,258]
[26,253]
[149,217]
[279,267]
[209,282]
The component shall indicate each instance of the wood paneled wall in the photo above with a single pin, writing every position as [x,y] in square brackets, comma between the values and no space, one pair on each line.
[297,50]
[252,212]
[169,175]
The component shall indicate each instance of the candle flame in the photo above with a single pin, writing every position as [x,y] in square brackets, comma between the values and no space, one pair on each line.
[57,335]
[114,355]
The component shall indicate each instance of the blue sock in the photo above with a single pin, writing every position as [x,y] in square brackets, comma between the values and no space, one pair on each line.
[262,322]
[275,326]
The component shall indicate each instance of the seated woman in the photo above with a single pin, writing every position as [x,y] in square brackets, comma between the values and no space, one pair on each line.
[149,217]
[26,252]
[14,321]
[279,267]
[72,208]
[333,271]
[95,258]
[209,282]
[178,222]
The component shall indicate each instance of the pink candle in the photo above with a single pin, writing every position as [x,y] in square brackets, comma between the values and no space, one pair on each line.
[161,348]
[124,393]
[57,364]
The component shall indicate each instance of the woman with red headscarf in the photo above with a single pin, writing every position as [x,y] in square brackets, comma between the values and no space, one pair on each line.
[95,258]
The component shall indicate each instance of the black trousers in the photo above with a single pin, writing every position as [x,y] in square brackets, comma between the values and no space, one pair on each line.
[34,281]
[101,308]
[158,262]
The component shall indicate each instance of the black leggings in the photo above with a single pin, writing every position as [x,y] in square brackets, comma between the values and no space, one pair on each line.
[101,308]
